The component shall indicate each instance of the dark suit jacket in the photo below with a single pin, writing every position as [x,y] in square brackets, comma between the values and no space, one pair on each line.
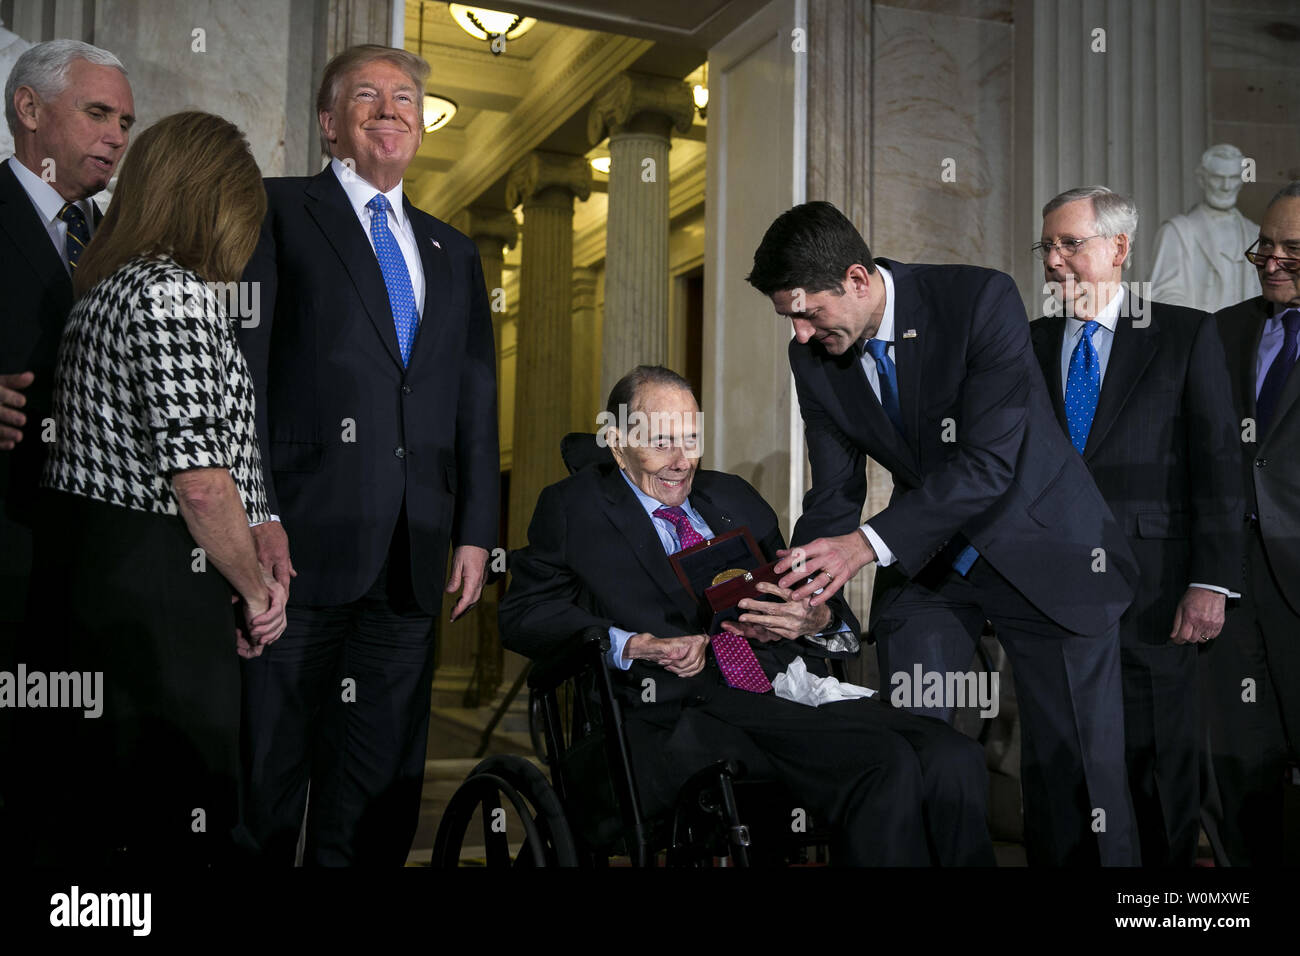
[33,308]
[1163,452]
[1270,465]
[1010,481]
[346,433]
[594,558]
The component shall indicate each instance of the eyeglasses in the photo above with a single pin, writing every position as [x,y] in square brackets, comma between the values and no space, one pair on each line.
[1261,260]
[1066,247]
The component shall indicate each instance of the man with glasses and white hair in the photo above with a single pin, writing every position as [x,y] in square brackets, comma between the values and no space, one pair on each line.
[1198,255]
[1252,674]
[1142,391]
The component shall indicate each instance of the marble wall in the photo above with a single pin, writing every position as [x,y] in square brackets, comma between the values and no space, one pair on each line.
[941,145]
[250,61]
[1254,76]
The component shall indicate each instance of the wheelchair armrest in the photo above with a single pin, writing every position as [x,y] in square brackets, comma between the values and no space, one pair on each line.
[583,650]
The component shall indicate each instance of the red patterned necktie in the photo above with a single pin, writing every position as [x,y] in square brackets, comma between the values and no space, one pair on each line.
[735,657]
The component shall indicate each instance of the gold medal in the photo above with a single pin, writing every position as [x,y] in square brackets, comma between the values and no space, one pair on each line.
[729,574]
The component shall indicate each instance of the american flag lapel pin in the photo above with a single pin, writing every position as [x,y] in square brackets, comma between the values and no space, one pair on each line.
[910,334]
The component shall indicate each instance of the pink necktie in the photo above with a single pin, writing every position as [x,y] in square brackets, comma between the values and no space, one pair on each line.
[735,657]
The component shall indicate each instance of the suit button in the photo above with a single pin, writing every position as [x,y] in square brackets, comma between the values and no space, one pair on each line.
[1261,462]
[399,451]
[406,390]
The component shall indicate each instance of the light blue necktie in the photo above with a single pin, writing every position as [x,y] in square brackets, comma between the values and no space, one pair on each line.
[401,297]
[888,376]
[1082,388]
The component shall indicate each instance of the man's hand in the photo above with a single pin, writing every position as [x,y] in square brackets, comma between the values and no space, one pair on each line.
[768,621]
[468,570]
[683,656]
[262,626]
[273,552]
[11,400]
[830,561]
[1198,617]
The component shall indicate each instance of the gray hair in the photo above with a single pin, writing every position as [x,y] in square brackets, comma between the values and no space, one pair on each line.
[1114,214]
[45,68]
[1290,191]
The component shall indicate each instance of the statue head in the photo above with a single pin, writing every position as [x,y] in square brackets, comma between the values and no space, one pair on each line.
[1220,175]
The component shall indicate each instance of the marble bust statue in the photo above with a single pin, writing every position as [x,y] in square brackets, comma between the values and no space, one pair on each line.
[1199,258]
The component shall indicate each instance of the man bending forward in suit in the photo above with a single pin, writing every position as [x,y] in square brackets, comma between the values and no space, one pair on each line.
[376,401]
[928,369]
[902,789]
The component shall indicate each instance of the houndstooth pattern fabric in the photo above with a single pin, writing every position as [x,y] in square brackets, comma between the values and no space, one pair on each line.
[150,381]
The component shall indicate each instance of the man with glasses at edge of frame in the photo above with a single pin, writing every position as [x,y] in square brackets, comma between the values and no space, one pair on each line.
[1251,675]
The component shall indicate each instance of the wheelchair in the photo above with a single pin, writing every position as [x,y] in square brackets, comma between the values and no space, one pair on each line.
[590,811]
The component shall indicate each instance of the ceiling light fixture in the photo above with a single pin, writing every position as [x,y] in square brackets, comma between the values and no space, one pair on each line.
[494,26]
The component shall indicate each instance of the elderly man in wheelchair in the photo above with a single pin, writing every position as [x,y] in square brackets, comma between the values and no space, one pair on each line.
[718,675]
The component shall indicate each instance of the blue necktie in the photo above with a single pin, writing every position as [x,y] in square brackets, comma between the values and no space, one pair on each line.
[1082,388]
[78,236]
[1270,390]
[401,297]
[888,377]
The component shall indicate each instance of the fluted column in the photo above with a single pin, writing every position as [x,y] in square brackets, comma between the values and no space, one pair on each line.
[546,183]
[473,639]
[639,113]
[586,352]
[493,231]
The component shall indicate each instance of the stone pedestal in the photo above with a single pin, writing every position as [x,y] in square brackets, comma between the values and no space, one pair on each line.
[546,183]
[639,113]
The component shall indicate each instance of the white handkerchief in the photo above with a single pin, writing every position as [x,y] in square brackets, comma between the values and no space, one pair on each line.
[796,684]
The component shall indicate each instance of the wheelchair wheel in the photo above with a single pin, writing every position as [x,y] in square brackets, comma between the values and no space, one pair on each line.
[513,802]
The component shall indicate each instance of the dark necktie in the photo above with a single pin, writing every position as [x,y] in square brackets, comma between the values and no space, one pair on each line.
[78,233]
[735,657]
[1275,378]
[401,295]
[888,377]
[1083,387]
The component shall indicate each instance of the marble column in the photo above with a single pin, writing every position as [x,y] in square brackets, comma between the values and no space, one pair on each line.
[586,352]
[639,113]
[469,663]
[546,183]
[493,231]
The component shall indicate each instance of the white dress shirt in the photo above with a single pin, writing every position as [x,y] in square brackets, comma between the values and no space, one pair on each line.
[884,556]
[47,201]
[361,192]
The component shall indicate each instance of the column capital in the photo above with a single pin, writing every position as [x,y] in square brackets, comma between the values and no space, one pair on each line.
[487,223]
[630,96]
[541,170]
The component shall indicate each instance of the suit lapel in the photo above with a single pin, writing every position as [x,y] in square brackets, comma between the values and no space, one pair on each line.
[328,205]
[437,283]
[720,521]
[1131,352]
[1048,343]
[18,218]
[624,511]
[864,413]
[1242,351]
